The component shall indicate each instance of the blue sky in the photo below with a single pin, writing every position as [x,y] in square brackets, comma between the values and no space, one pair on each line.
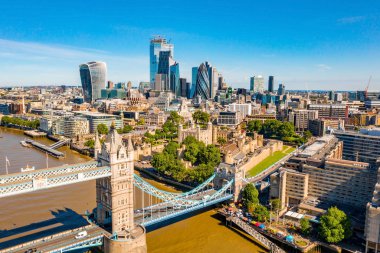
[304,44]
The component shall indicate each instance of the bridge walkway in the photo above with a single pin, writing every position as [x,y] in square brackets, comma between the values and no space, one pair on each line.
[252,232]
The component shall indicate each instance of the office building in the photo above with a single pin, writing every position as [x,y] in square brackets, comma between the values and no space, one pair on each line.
[372,221]
[281,89]
[300,118]
[270,84]
[158,44]
[372,99]
[330,110]
[338,97]
[331,95]
[257,84]
[183,87]
[96,118]
[318,127]
[113,93]
[202,87]
[93,76]
[318,173]
[169,71]
[363,146]
[75,126]
[244,109]
[229,118]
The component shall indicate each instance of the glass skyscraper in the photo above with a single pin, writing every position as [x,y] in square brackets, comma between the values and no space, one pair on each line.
[270,83]
[93,77]
[158,44]
[203,82]
[257,84]
[169,71]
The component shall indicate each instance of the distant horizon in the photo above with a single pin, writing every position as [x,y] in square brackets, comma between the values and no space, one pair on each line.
[134,86]
[324,44]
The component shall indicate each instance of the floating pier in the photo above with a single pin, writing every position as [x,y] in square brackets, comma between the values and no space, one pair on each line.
[46,149]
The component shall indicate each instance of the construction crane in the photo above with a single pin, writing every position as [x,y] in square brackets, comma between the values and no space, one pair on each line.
[366,89]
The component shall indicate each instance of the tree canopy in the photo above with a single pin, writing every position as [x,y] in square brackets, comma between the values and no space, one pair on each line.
[203,158]
[335,226]
[305,226]
[250,195]
[5,120]
[102,128]
[201,117]
[260,213]
[277,130]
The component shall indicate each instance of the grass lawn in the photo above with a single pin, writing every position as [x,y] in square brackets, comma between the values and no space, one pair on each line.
[278,155]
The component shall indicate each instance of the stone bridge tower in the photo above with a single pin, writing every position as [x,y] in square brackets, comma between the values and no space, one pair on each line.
[114,196]
[224,173]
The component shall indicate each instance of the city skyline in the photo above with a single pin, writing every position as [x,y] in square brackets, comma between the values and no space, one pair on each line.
[292,42]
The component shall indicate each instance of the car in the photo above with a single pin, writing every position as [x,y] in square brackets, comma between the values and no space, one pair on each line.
[31,250]
[80,235]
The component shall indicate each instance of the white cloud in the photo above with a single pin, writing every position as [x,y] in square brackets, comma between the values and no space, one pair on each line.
[37,63]
[323,67]
[351,20]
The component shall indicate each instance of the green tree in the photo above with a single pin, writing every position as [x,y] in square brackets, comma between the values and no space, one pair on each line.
[250,195]
[189,139]
[175,118]
[221,141]
[191,152]
[209,155]
[285,129]
[160,161]
[102,129]
[270,128]
[307,134]
[305,226]
[254,126]
[90,143]
[276,204]
[260,213]
[200,173]
[127,129]
[171,148]
[141,121]
[201,117]
[335,226]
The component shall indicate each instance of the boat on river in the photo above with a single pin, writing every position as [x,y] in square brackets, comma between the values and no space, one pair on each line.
[27,168]
[25,144]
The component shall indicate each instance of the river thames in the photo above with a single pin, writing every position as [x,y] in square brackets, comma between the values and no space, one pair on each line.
[55,209]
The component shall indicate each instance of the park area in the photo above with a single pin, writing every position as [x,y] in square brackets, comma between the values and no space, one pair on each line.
[270,160]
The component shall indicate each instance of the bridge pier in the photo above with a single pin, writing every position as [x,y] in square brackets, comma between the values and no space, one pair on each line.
[136,243]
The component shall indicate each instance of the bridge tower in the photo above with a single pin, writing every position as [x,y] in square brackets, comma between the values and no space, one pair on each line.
[226,172]
[114,196]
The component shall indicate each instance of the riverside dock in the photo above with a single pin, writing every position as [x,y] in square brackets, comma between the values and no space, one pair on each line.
[46,149]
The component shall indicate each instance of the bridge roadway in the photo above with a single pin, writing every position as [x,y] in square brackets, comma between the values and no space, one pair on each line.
[64,240]
[166,210]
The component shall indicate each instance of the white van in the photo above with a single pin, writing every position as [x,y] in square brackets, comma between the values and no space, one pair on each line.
[81,235]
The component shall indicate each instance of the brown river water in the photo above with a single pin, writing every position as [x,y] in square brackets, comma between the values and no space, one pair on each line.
[33,215]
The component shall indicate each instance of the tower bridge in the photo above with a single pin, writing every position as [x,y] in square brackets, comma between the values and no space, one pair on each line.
[115,182]
[113,170]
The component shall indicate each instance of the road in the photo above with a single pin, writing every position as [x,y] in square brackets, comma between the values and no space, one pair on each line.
[53,242]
